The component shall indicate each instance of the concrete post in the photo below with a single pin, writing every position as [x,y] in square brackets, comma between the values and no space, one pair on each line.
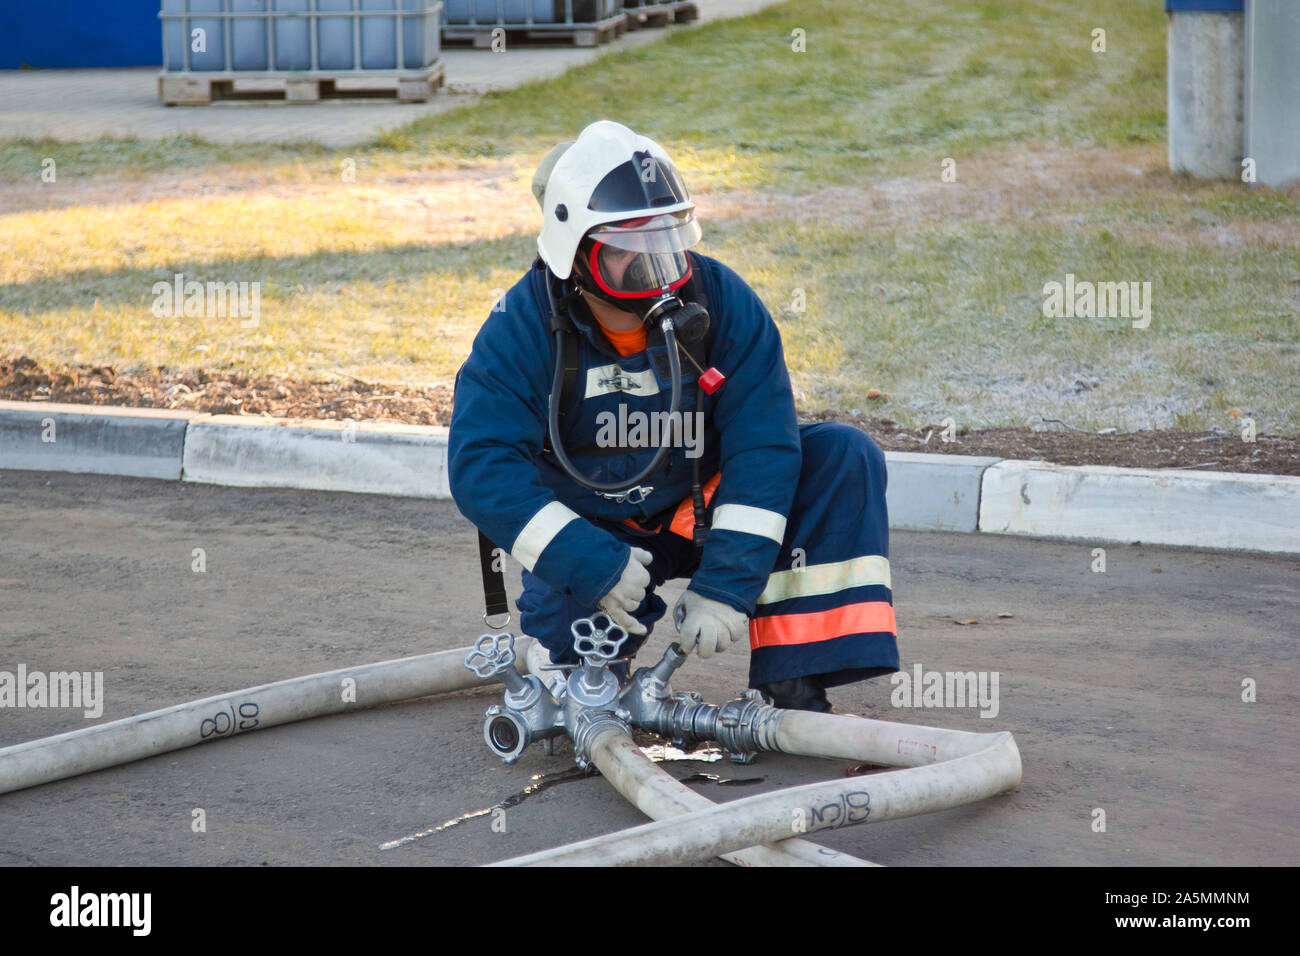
[1205,87]
[1272,90]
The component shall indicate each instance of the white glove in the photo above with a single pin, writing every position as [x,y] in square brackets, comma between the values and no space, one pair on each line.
[712,625]
[626,596]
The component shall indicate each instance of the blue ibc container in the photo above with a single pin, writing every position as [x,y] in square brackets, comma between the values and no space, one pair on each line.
[334,51]
[543,11]
[421,36]
[457,11]
[589,11]
[379,37]
[292,37]
[248,47]
[263,43]
[180,36]
[506,11]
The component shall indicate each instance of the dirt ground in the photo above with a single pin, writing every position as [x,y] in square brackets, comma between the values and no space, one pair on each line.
[1123,690]
[24,379]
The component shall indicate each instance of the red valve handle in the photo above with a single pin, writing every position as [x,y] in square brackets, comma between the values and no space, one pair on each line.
[712,380]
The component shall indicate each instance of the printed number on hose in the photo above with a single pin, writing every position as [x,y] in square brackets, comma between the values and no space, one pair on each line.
[226,723]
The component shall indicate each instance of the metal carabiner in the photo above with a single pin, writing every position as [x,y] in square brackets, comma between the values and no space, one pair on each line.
[634,495]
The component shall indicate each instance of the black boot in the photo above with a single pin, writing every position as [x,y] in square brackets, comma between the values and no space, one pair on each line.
[799,693]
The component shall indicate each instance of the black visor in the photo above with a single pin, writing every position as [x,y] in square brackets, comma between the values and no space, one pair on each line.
[643,182]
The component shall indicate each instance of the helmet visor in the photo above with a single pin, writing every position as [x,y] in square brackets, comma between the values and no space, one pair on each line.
[641,257]
[670,232]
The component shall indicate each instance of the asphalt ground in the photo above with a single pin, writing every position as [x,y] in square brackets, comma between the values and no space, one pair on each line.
[1123,689]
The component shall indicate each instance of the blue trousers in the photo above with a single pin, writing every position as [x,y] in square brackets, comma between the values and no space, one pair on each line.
[827,608]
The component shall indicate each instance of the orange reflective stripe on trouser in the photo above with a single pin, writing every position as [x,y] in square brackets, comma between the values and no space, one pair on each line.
[683,522]
[868,617]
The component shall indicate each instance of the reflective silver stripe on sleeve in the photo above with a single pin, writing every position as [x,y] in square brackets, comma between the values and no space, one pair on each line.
[750,520]
[539,532]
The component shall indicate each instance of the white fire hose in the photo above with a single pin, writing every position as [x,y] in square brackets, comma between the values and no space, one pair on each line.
[974,766]
[185,725]
[945,768]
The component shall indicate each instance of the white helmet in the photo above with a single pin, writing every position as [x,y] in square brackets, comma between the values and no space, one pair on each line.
[622,194]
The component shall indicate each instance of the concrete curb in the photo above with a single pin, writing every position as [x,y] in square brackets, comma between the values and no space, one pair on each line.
[934,492]
[1214,510]
[1171,507]
[103,440]
[377,458]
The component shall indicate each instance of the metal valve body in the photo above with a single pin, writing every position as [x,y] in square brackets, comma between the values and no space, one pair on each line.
[530,711]
[590,699]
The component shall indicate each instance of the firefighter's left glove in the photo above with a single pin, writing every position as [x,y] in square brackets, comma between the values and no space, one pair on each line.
[626,596]
[708,624]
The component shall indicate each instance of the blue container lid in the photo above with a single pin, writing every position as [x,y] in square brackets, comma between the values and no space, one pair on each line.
[1222,6]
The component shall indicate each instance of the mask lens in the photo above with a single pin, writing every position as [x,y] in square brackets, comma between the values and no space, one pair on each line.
[625,272]
[640,257]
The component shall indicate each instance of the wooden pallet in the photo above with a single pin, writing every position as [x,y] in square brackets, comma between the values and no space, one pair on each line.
[585,34]
[201,89]
[660,15]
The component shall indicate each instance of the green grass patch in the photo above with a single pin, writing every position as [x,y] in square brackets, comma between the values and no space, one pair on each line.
[883,87]
[949,321]
[21,158]
[880,87]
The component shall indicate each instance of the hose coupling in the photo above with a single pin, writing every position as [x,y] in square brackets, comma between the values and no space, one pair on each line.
[588,724]
[744,726]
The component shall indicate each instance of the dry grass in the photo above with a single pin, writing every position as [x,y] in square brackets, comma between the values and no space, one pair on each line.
[379,280]
[928,291]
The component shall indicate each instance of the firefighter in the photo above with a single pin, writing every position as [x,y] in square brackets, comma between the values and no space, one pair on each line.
[780,527]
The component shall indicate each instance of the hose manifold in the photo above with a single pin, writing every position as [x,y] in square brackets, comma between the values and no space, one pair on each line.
[590,700]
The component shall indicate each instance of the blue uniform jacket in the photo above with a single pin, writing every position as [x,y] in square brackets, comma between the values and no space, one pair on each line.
[518,496]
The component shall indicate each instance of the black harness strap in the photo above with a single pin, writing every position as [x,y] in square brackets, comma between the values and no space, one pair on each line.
[699,531]
[561,321]
[494,583]
[568,384]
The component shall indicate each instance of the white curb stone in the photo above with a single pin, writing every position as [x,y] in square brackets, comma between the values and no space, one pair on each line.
[375,458]
[1171,507]
[934,492]
[93,439]
[1180,507]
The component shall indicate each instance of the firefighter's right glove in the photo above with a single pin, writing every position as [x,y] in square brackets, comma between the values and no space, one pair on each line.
[711,625]
[626,596]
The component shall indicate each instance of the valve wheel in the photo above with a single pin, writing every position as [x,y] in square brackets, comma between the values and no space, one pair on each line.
[597,638]
[492,654]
